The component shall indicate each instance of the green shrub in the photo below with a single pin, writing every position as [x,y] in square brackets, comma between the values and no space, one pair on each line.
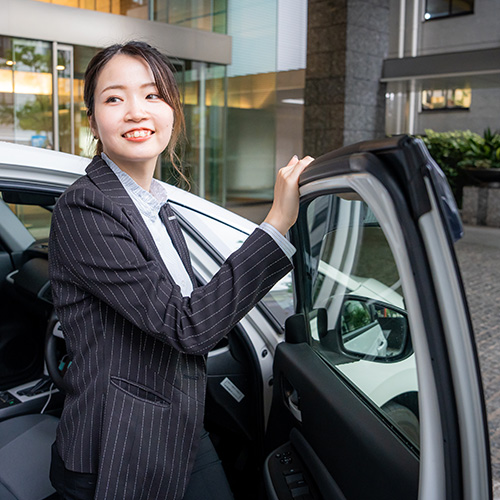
[483,152]
[459,150]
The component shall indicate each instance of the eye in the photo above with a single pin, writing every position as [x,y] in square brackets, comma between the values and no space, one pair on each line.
[153,96]
[112,99]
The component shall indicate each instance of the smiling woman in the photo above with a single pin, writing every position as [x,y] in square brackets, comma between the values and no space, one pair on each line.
[131,120]
[137,107]
[136,325]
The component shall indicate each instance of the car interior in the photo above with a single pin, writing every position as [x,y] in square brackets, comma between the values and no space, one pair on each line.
[33,361]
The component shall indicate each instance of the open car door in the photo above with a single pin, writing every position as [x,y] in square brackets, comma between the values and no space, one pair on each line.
[377,390]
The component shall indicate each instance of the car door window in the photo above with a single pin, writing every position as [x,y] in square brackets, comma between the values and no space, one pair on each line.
[279,302]
[353,297]
[35,218]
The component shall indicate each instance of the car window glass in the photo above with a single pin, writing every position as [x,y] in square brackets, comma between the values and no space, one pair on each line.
[36,219]
[226,239]
[279,301]
[357,315]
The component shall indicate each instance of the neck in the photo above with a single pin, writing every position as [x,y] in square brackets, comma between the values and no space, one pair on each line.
[141,173]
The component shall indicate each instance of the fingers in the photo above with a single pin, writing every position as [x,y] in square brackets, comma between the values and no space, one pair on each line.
[296,163]
[300,166]
[293,160]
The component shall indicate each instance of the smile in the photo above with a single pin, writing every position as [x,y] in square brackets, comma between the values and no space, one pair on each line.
[138,133]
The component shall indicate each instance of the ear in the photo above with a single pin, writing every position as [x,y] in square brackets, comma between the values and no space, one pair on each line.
[93,126]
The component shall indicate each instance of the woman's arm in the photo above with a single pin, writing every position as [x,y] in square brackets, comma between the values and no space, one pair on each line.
[92,246]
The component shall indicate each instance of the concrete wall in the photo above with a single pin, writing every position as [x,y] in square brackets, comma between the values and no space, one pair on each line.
[480,30]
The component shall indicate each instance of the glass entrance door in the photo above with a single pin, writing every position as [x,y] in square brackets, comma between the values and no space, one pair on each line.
[25,92]
[64,120]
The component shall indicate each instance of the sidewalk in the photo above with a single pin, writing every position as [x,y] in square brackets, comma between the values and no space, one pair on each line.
[478,255]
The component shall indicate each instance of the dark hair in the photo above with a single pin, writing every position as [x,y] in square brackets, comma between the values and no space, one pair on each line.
[165,83]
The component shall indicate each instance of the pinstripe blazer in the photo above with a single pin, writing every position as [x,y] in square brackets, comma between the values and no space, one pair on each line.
[136,386]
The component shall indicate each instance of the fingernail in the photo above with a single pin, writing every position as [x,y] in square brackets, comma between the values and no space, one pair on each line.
[295,157]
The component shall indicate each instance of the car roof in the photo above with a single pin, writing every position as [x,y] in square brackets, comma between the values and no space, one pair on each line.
[37,165]
[31,165]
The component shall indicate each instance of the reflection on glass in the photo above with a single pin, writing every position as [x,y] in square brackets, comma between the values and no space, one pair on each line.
[208,15]
[36,219]
[446,99]
[251,121]
[444,8]
[355,289]
[203,92]
[26,92]
[64,81]
[133,8]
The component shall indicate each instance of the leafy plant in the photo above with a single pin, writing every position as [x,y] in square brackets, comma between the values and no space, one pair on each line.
[459,150]
[448,149]
[484,151]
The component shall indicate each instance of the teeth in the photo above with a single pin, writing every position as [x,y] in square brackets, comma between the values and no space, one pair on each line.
[138,133]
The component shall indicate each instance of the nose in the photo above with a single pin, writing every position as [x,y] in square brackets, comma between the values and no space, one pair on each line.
[135,110]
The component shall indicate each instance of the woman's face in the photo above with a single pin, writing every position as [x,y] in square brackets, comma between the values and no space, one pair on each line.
[133,123]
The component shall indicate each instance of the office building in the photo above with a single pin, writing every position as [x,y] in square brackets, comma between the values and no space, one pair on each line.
[240,66]
[443,66]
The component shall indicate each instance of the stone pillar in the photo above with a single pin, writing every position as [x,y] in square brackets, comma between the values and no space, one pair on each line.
[347,41]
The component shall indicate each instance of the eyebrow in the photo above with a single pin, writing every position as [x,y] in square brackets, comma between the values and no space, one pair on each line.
[121,87]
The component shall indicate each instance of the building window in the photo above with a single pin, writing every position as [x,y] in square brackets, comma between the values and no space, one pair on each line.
[133,8]
[444,8]
[208,15]
[438,100]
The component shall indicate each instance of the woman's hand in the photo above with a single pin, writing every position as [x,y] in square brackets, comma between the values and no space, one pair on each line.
[285,209]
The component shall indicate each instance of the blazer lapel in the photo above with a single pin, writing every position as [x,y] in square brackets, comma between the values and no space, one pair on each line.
[169,218]
[105,179]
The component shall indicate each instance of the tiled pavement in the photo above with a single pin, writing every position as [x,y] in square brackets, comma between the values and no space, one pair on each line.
[478,255]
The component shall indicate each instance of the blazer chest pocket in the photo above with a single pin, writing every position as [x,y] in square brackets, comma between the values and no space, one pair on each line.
[139,391]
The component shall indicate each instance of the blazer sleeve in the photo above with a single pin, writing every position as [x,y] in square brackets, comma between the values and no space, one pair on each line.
[91,246]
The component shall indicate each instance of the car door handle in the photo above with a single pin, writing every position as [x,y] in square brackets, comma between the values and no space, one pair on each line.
[293,402]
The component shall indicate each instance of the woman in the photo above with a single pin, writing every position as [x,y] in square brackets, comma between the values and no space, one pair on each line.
[136,326]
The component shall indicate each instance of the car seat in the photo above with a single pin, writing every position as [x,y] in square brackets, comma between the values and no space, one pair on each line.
[25,454]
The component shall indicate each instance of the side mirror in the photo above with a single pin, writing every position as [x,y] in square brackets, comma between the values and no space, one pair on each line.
[373,330]
[296,329]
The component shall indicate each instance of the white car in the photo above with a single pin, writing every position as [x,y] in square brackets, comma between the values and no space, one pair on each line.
[358,378]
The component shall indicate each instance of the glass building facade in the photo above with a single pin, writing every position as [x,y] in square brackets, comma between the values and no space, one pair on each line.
[244,120]
[209,15]
[41,94]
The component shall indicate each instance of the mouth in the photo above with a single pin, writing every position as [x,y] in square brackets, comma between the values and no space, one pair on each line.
[138,133]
